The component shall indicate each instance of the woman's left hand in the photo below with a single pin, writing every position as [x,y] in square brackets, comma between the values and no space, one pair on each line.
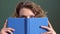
[49,28]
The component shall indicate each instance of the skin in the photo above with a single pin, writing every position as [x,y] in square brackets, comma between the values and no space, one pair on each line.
[27,13]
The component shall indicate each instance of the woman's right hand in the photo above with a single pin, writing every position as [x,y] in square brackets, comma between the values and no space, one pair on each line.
[4,30]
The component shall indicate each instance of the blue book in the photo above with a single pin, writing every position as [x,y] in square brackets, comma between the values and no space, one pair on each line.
[27,25]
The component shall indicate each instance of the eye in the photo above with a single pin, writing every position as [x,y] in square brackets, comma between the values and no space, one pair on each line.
[22,16]
[32,16]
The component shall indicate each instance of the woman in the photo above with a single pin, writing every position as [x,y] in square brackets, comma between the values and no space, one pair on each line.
[28,10]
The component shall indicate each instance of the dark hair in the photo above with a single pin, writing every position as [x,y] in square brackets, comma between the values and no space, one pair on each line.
[36,9]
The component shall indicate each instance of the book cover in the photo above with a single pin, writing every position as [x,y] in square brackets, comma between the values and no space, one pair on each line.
[17,24]
[27,25]
[34,25]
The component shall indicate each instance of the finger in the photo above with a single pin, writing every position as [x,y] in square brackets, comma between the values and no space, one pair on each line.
[10,32]
[5,33]
[45,27]
[5,24]
[47,33]
[49,24]
[11,29]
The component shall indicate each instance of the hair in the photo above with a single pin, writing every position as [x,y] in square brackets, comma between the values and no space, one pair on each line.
[36,9]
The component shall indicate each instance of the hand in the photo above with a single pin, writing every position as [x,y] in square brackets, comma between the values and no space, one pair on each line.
[49,28]
[4,30]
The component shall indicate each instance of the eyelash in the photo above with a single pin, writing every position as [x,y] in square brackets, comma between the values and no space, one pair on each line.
[32,16]
[25,16]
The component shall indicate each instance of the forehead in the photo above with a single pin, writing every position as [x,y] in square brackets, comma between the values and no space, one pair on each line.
[26,11]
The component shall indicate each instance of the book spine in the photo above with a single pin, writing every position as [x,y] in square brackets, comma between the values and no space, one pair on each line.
[25,25]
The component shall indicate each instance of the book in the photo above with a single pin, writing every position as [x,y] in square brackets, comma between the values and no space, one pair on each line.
[27,25]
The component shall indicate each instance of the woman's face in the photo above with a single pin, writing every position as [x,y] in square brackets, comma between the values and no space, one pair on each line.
[26,13]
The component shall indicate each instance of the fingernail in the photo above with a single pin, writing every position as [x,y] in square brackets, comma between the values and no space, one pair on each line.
[42,26]
[14,29]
